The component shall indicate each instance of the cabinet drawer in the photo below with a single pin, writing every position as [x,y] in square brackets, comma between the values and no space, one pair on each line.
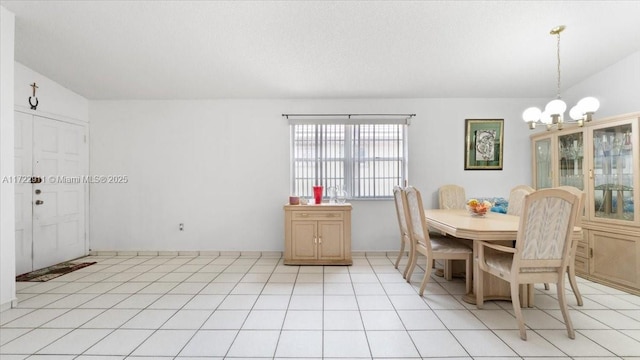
[317,215]
[582,265]
[616,257]
[582,250]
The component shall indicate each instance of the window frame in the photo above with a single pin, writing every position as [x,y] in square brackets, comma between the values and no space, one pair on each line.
[349,158]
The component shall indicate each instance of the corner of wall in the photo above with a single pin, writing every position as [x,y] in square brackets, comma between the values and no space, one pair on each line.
[617,87]
[7,196]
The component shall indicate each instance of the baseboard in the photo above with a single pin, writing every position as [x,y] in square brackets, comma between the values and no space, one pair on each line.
[270,254]
[8,305]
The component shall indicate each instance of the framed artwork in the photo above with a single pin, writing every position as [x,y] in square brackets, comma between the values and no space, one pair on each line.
[483,144]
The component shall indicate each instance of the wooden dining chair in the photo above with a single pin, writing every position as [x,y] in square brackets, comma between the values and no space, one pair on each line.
[516,203]
[432,246]
[516,199]
[452,196]
[405,238]
[571,269]
[541,254]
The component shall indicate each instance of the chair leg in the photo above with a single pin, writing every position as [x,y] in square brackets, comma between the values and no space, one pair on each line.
[413,258]
[425,279]
[571,271]
[515,300]
[400,254]
[562,299]
[546,286]
[406,268]
[448,270]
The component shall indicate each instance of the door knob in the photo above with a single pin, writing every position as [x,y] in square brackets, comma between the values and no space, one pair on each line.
[39,202]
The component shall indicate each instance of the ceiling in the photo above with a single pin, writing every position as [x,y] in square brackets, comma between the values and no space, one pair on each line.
[320,49]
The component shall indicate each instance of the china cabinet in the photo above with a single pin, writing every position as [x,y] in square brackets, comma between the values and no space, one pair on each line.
[318,234]
[603,159]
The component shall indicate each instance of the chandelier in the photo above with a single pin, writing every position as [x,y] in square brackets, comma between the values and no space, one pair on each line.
[553,114]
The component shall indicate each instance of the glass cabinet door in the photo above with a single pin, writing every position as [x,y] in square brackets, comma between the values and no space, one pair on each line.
[542,154]
[570,160]
[613,172]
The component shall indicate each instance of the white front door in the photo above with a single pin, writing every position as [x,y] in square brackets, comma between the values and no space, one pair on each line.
[23,189]
[57,197]
[58,212]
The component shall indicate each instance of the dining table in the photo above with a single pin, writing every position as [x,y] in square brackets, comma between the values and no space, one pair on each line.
[494,227]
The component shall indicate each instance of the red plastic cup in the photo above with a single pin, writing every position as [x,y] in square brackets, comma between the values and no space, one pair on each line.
[317,194]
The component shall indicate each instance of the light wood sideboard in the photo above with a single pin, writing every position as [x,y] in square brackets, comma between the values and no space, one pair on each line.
[317,234]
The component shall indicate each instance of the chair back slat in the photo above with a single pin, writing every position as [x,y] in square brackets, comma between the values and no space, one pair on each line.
[451,197]
[546,227]
[547,221]
[417,221]
[581,206]
[402,220]
[516,199]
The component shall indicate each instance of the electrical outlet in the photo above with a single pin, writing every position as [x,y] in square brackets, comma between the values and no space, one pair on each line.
[181,227]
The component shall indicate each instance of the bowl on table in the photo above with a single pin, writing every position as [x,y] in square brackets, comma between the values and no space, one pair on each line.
[478,208]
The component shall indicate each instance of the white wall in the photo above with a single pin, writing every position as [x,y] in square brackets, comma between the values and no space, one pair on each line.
[617,87]
[7,197]
[222,168]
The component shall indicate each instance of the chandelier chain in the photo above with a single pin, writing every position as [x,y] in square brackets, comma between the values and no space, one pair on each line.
[558,56]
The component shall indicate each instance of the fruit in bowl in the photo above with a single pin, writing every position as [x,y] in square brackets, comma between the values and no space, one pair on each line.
[478,208]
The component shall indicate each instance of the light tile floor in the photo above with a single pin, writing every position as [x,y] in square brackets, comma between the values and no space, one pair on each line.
[208,307]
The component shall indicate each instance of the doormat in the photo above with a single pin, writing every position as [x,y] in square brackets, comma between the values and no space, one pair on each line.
[52,272]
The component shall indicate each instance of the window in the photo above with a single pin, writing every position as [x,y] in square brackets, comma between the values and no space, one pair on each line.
[365,159]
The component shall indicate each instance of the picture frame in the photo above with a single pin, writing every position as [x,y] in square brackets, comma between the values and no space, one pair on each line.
[483,146]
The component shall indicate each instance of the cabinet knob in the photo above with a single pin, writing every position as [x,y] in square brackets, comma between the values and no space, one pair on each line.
[304,215]
[39,202]
[320,240]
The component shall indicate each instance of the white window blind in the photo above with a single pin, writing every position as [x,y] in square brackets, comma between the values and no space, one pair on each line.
[364,155]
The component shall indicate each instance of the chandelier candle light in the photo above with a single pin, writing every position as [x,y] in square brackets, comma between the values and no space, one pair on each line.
[553,113]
